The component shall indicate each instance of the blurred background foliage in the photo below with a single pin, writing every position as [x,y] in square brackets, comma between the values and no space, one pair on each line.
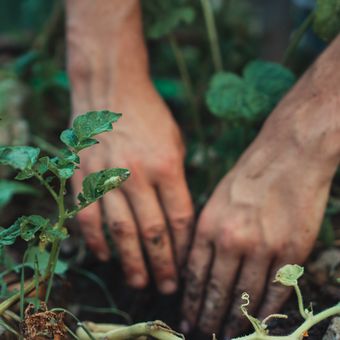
[194,73]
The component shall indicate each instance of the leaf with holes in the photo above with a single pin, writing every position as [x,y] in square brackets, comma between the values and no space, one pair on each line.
[19,157]
[99,183]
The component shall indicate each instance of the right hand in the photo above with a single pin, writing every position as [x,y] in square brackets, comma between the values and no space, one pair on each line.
[153,206]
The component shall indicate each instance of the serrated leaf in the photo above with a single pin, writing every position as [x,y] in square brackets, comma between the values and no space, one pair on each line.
[69,138]
[42,257]
[93,123]
[10,188]
[61,168]
[289,274]
[30,225]
[9,235]
[99,183]
[69,156]
[52,234]
[269,78]
[19,157]
[229,96]
[327,19]
[86,126]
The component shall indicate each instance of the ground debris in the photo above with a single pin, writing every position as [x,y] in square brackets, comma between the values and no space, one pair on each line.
[43,324]
[333,331]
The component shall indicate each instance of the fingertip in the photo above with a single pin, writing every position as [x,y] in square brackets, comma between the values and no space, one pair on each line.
[168,286]
[137,281]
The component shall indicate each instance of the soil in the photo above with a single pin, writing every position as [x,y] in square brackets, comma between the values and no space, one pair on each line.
[84,298]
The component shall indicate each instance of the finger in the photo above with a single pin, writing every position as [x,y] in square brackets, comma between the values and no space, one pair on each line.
[124,233]
[252,280]
[176,202]
[91,224]
[155,236]
[276,294]
[217,299]
[196,277]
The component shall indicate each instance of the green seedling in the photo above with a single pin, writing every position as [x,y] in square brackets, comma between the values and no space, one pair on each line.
[288,276]
[42,235]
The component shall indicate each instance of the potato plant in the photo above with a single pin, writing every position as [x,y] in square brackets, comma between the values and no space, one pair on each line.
[43,237]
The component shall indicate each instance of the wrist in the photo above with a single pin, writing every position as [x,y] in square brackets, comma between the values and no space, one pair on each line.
[111,46]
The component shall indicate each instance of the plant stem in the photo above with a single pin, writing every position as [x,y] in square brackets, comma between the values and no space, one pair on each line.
[52,262]
[315,319]
[14,298]
[296,38]
[154,329]
[46,185]
[186,79]
[300,302]
[298,334]
[212,34]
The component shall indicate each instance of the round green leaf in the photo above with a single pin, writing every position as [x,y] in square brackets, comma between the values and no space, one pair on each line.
[289,274]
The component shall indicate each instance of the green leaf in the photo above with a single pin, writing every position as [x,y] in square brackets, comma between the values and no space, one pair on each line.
[62,170]
[86,126]
[92,123]
[10,188]
[30,225]
[19,157]
[167,21]
[229,96]
[69,138]
[9,235]
[327,19]
[52,234]
[43,256]
[270,79]
[289,274]
[99,183]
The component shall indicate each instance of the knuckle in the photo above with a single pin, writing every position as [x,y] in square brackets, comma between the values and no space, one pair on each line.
[181,223]
[122,229]
[168,166]
[154,234]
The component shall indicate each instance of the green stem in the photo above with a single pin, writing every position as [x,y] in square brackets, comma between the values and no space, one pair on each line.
[315,319]
[299,333]
[212,34]
[46,185]
[186,79]
[52,262]
[296,38]
[14,298]
[300,302]
[154,329]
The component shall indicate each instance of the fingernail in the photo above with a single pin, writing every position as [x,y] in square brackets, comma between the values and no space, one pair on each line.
[103,256]
[184,326]
[137,281]
[168,287]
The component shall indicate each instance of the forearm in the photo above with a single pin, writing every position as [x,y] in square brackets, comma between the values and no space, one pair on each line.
[105,44]
[309,115]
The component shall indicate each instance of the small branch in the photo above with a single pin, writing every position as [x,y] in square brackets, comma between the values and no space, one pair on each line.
[212,34]
[296,38]
[155,329]
[186,79]
[300,302]
[16,297]
[46,185]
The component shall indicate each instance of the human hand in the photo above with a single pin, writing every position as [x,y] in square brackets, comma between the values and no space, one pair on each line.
[267,211]
[147,141]
[108,67]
